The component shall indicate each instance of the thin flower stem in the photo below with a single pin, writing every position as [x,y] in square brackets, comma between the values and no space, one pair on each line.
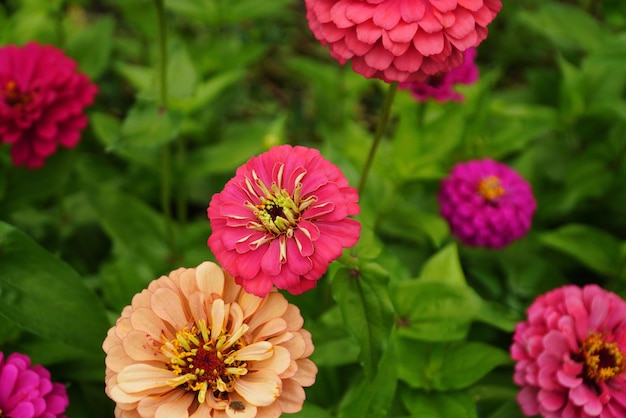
[380,130]
[166,160]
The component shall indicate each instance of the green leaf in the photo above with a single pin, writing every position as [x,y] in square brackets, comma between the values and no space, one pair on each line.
[92,46]
[182,76]
[596,249]
[434,310]
[498,316]
[444,265]
[440,405]
[136,229]
[147,126]
[363,298]
[373,397]
[45,296]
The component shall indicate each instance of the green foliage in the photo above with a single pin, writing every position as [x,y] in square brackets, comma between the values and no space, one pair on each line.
[409,322]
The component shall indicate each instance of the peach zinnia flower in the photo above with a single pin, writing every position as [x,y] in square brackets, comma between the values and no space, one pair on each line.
[400,40]
[194,344]
[282,219]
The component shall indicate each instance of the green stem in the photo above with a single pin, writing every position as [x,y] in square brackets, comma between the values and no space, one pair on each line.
[166,159]
[380,130]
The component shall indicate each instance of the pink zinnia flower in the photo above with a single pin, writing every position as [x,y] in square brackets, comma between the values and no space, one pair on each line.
[194,344]
[26,391]
[571,354]
[42,100]
[440,87]
[282,219]
[401,40]
[486,203]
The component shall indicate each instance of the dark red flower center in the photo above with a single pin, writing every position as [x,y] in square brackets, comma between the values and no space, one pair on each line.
[13,97]
[491,188]
[603,360]
[203,364]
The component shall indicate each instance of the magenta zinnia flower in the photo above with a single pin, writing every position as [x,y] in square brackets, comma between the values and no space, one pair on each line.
[486,203]
[282,219]
[571,354]
[26,391]
[42,100]
[401,40]
[440,87]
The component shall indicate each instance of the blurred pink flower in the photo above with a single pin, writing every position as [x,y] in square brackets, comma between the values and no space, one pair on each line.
[400,40]
[440,87]
[282,219]
[570,354]
[26,391]
[486,203]
[42,99]
[194,344]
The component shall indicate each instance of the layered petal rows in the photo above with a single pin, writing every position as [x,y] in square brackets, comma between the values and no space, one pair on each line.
[195,344]
[26,391]
[569,354]
[282,219]
[486,203]
[42,102]
[401,40]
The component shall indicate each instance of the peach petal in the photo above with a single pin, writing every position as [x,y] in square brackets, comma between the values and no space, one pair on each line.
[278,363]
[144,319]
[259,388]
[257,351]
[292,397]
[203,411]
[269,329]
[307,370]
[217,319]
[238,407]
[197,303]
[178,408]
[273,306]
[167,305]
[140,346]
[142,377]
[296,345]
[149,406]
[210,278]
[249,303]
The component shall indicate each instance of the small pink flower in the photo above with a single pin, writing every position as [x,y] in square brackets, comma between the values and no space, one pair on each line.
[571,354]
[42,102]
[400,40]
[282,219]
[486,203]
[26,391]
[440,87]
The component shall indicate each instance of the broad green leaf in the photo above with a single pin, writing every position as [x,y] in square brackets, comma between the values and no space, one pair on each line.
[373,397]
[444,265]
[147,126]
[572,97]
[106,127]
[92,46]
[137,230]
[434,310]
[45,296]
[498,316]
[310,410]
[182,76]
[593,247]
[439,405]
[363,297]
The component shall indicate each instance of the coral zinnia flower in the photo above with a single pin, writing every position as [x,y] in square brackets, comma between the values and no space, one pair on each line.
[26,391]
[42,99]
[571,354]
[440,87]
[195,345]
[486,203]
[282,219]
[401,40]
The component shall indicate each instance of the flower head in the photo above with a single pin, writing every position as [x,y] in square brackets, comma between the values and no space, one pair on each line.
[282,219]
[26,391]
[486,203]
[194,344]
[42,99]
[401,40]
[571,354]
[441,86]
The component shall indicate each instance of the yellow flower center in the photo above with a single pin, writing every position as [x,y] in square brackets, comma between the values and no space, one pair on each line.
[491,188]
[279,212]
[602,360]
[204,364]
[14,97]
